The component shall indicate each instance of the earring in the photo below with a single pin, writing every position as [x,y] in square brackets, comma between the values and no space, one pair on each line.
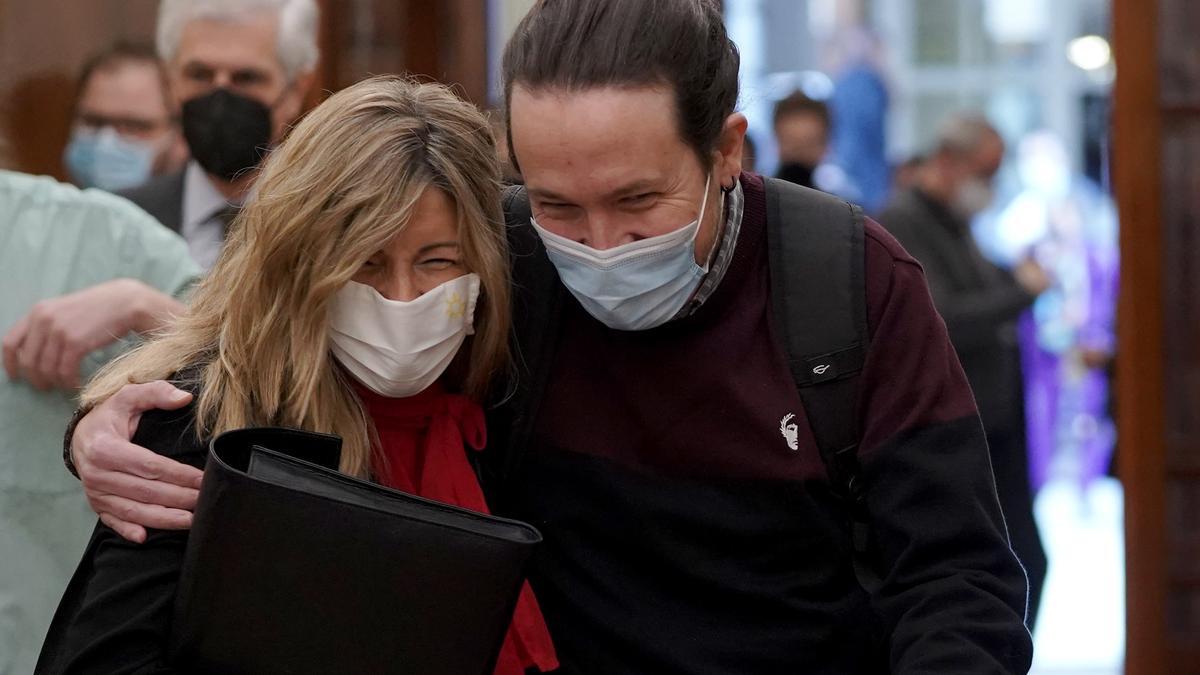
[727,190]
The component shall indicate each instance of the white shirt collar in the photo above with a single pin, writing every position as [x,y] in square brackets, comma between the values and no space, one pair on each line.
[201,199]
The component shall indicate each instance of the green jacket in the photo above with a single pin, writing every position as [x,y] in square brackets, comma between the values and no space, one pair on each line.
[56,239]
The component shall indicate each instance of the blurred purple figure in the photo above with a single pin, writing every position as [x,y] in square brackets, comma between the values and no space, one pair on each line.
[1067,338]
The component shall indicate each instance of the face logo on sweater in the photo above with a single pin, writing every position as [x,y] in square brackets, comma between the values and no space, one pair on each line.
[791,433]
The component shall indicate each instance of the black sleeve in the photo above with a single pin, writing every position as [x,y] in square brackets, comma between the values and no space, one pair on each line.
[954,594]
[115,616]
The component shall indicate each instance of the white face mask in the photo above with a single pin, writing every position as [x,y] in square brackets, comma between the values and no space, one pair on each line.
[973,198]
[398,349]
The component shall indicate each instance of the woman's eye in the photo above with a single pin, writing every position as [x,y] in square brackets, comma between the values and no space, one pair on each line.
[439,263]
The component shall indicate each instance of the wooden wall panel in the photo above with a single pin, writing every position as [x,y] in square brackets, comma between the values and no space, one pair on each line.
[1180,54]
[1179,70]
[1157,170]
[444,41]
[1181,267]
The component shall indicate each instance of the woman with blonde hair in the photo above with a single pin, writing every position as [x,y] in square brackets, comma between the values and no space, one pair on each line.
[364,292]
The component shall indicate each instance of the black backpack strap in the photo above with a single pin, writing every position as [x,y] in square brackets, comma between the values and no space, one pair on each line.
[818,291]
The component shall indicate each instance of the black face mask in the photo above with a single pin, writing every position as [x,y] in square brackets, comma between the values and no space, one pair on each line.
[800,174]
[227,133]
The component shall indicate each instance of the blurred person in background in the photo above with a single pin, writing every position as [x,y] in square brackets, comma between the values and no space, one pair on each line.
[980,303]
[119,273]
[802,132]
[1067,341]
[859,107]
[239,72]
[124,129]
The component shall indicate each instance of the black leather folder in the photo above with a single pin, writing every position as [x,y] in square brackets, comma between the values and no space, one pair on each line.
[292,567]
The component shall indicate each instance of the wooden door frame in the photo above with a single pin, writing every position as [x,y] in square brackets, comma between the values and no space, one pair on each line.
[1137,172]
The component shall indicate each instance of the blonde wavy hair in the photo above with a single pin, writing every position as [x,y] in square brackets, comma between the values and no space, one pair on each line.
[255,341]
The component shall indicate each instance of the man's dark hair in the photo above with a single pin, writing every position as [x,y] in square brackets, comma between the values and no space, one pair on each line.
[582,44]
[798,103]
[119,54]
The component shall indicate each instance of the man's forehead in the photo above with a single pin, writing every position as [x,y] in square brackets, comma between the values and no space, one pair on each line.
[123,87]
[249,41]
[592,124]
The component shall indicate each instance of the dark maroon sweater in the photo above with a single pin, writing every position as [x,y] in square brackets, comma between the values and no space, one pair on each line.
[684,535]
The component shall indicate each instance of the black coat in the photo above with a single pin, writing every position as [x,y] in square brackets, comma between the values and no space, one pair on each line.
[979,301]
[161,197]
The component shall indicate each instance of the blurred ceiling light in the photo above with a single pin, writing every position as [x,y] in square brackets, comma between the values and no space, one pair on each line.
[1090,52]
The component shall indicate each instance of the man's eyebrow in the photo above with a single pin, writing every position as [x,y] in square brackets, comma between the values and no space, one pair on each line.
[543,193]
[632,188]
[635,187]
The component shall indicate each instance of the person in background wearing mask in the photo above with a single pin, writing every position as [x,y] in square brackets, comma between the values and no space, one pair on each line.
[124,130]
[654,431]
[122,274]
[373,294]
[802,128]
[239,71]
[980,303]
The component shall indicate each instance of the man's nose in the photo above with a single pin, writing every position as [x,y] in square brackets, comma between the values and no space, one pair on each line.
[603,233]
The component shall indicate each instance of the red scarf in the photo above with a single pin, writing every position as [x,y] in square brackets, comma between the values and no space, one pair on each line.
[422,439]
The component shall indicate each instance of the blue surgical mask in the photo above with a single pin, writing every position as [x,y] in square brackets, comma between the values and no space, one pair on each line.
[106,160]
[635,286]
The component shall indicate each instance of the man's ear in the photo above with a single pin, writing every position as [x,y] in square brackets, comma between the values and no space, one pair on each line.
[730,146]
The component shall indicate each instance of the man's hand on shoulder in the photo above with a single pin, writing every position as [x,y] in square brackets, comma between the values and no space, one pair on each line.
[130,487]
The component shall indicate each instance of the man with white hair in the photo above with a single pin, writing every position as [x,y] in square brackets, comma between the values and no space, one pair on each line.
[239,72]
